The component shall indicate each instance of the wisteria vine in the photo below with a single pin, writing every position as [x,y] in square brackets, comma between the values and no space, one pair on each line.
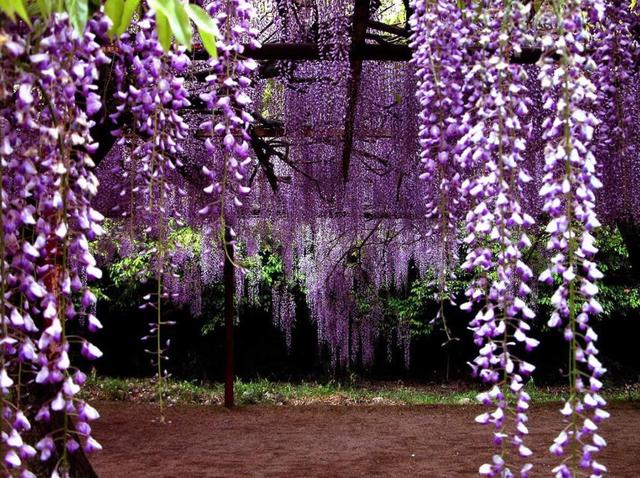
[471,123]
[47,222]
[440,49]
[152,92]
[496,230]
[568,190]
[229,102]
[491,154]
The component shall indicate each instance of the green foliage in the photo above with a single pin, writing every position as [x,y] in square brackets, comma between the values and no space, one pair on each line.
[130,270]
[416,307]
[129,274]
[78,11]
[212,308]
[419,305]
[265,392]
[120,12]
[271,94]
[173,14]
[412,308]
[267,96]
[266,268]
[164,30]
[618,292]
[99,293]
[13,7]
[393,12]
[271,268]
[186,238]
[173,17]
[207,28]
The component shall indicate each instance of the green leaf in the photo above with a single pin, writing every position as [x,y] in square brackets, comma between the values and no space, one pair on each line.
[8,7]
[114,9]
[43,8]
[164,32]
[18,5]
[182,26]
[202,19]
[176,15]
[209,42]
[78,11]
[129,7]
[207,28]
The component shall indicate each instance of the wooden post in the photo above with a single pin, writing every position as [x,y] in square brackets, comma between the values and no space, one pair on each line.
[229,313]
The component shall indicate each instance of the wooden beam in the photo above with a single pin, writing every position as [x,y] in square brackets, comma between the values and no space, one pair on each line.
[359,31]
[362,51]
[392,29]
[311,52]
[262,150]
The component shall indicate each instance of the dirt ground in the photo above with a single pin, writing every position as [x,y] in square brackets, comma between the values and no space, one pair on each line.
[328,441]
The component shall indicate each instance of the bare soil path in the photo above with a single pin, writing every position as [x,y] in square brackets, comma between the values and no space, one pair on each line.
[329,441]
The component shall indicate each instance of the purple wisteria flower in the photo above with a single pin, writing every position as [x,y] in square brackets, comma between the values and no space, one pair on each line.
[568,190]
[152,91]
[493,148]
[439,41]
[46,223]
[230,104]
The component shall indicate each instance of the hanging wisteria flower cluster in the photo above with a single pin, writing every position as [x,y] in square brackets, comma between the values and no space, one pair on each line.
[152,92]
[495,227]
[47,222]
[616,54]
[228,142]
[490,156]
[568,190]
[462,154]
[440,47]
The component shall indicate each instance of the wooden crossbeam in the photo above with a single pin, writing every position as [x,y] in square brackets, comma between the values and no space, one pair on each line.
[362,51]
[311,52]
[392,29]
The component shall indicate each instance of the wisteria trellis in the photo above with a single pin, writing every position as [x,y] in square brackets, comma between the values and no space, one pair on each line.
[506,149]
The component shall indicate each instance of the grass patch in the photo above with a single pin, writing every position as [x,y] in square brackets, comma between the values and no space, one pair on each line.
[304,393]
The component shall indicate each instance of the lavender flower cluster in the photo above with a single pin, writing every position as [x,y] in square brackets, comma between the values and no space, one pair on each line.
[151,90]
[229,102]
[439,44]
[616,53]
[483,159]
[496,229]
[568,190]
[46,223]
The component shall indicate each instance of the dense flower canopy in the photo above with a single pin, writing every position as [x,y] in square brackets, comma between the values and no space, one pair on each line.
[362,138]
